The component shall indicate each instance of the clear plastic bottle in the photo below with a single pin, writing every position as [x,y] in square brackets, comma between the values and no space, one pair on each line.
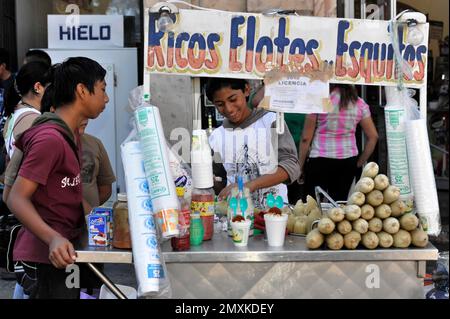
[122,236]
[182,242]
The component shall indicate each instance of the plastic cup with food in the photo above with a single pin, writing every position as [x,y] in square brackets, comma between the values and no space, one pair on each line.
[276,223]
[240,231]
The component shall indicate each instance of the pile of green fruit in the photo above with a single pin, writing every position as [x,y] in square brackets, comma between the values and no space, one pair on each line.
[303,216]
[374,217]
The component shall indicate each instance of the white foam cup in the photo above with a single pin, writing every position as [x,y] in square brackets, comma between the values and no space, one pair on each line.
[276,229]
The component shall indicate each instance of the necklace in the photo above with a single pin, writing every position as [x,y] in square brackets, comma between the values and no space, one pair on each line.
[26,104]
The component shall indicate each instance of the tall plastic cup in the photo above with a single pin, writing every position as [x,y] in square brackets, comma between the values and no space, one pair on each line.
[168,221]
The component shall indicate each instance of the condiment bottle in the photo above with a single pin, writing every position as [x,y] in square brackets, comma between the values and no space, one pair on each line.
[203,181]
[182,241]
[121,238]
[203,205]
[196,230]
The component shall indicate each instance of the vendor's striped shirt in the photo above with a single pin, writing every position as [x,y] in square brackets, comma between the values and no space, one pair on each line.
[335,132]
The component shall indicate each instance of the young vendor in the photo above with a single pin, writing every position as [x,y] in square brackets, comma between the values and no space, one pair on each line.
[247,143]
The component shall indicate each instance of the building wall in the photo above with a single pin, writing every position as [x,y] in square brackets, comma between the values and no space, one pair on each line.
[436,10]
[8,31]
[34,34]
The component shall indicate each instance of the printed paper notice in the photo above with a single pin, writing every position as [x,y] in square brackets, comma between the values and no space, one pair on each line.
[298,95]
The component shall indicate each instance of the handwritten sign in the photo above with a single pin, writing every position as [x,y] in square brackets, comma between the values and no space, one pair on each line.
[241,45]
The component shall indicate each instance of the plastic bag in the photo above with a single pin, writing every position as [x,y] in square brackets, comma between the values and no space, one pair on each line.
[150,267]
[440,278]
[181,172]
[398,110]
[410,164]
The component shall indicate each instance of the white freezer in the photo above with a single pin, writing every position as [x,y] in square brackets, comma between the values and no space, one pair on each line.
[113,126]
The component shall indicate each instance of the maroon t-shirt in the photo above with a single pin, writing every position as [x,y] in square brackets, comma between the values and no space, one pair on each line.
[51,161]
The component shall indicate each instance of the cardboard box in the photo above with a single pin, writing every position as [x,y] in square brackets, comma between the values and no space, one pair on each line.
[99,230]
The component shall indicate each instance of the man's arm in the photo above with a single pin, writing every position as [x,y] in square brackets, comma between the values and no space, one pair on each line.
[105,177]
[104,193]
[268,180]
[305,143]
[11,172]
[61,251]
[287,156]
[6,192]
[372,139]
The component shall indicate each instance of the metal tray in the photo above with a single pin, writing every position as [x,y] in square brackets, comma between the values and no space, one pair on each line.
[298,235]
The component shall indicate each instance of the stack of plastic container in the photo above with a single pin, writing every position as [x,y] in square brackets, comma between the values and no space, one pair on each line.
[202,175]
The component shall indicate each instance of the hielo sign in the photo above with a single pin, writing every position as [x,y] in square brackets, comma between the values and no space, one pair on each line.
[89,32]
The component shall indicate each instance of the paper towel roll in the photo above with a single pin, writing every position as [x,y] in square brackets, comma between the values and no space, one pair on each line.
[156,159]
[422,174]
[143,228]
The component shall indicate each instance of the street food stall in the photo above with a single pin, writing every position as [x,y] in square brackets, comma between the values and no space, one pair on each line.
[219,270]
[298,56]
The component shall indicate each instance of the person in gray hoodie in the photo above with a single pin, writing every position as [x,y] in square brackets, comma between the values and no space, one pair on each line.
[247,144]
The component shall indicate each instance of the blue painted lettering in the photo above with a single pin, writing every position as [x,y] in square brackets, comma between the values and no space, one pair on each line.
[105,32]
[82,33]
[85,33]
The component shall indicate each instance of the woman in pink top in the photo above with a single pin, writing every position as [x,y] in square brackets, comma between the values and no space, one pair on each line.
[330,141]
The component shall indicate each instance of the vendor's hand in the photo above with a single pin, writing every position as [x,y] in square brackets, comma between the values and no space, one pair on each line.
[226,192]
[61,252]
[301,178]
[251,186]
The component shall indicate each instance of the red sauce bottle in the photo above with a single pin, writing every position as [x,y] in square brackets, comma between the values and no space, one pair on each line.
[203,205]
[182,242]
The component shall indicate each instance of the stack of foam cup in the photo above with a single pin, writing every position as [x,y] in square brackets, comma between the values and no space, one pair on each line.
[422,175]
[157,169]
[201,161]
[395,117]
[143,228]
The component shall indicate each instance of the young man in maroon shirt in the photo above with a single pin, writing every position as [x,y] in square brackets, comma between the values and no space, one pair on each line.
[47,195]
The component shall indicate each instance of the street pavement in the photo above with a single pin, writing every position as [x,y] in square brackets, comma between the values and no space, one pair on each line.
[119,274]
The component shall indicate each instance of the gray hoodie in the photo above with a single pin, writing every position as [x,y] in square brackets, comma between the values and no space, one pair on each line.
[47,118]
[287,152]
